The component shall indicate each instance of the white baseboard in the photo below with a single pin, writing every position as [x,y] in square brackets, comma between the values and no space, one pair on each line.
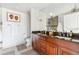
[17,52]
[27,49]
[24,50]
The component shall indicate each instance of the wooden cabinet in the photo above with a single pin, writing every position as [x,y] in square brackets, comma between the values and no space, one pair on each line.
[65,51]
[43,47]
[34,42]
[53,46]
[51,49]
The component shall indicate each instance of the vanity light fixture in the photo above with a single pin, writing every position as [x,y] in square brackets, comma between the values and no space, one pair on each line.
[51,14]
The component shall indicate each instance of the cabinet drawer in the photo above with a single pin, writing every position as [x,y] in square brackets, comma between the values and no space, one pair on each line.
[43,50]
[42,41]
[42,44]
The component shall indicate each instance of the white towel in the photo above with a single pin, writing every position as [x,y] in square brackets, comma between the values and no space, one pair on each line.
[59,28]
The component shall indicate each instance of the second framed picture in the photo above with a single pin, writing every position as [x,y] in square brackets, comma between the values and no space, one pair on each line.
[13,17]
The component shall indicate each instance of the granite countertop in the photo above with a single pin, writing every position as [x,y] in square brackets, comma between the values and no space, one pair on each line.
[61,38]
[68,39]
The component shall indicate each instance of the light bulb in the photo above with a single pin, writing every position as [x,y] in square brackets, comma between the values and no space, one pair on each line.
[51,14]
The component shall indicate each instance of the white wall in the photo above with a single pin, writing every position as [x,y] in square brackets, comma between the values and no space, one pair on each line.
[57,10]
[65,8]
[28,24]
[0,14]
[0,25]
[0,19]
[35,20]
[71,22]
[13,32]
[43,23]
[36,24]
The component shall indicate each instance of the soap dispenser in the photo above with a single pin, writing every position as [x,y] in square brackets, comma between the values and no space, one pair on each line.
[71,33]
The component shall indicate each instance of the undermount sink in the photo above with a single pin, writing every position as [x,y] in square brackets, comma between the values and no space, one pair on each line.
[59,37]
[38,33]
[75,40]
[66,38]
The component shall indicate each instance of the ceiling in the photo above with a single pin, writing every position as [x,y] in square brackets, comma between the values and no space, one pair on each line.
[45,7]
[23,7]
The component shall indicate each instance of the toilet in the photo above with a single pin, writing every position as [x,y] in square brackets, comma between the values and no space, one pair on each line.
[28,42]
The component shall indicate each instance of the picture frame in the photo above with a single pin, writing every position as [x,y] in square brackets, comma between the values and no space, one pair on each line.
[13,17]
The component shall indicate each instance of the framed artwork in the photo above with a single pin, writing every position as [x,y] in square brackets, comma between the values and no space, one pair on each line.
[13,17]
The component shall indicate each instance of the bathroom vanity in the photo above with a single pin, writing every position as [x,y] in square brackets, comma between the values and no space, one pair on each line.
[53,45]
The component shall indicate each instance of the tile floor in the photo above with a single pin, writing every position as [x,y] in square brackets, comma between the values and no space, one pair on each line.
[19,50]
[30,52]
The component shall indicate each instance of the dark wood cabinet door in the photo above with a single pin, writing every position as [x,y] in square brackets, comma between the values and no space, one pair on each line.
[43,49]
[51,50]
[43,46]
[64,51]
[38,45]
[53,46]
[33,42]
